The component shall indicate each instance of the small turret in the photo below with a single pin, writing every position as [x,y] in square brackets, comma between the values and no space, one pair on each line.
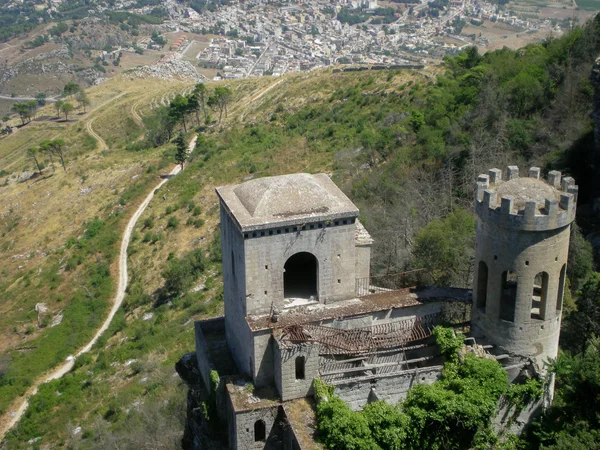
[521,255]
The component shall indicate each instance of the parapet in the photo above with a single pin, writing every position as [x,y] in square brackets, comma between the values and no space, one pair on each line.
[526,203]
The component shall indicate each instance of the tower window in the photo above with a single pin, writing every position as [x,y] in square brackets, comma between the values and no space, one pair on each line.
[300,363]
[482,280]
[260,431]
[508,294]
[561,288]
[539,296]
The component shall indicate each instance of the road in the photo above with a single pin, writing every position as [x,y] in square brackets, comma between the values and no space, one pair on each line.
[15,412]
[24,99]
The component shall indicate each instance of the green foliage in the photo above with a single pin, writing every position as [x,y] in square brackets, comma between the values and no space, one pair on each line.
[453,413]
[172,222]
[180,273]
[584,323]
[181,155]
[448,341]
[573,420]
[522,394]
[445,247]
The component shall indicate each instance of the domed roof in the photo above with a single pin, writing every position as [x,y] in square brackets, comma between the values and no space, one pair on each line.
[522,190]
[285,196]
[286,199]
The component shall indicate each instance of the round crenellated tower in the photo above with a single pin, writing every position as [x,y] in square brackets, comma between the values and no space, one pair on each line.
[521,252]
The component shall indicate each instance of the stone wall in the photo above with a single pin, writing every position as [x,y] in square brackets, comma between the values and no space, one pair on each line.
[239,337]
[263,358]
[242,433]
[266,255]
[203,356]
[363,261]
[392,389]
[288,385]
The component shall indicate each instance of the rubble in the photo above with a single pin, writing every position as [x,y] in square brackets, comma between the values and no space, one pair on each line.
[168,70]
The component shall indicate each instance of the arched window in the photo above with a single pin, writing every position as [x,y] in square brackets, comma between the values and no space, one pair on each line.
[508,299]
[260,432]
[561,288]
[300,275]
[539,296]
[482,279]
[300,362]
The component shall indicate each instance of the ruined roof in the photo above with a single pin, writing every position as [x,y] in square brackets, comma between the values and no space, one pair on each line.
[522,190]
[401,298]
[245,397]
[285,200]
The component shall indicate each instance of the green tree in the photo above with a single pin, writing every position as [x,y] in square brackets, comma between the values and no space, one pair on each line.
[33,154]
[219,100]
[71,88]
[160,126]
[200,91]
[55,147]
[583,324]
[58,107]
[67,108]
[40,97]
[178,110]
[82,99]
[181,153]
[445,247]
[23,111]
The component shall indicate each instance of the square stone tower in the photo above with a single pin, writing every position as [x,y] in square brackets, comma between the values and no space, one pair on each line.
[287,241]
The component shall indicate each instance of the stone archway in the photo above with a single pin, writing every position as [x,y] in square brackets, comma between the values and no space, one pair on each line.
[300,276]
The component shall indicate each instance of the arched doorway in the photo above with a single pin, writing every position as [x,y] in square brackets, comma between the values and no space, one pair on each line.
[300,275]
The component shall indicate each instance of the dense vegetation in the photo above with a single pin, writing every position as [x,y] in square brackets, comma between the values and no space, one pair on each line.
[453,413]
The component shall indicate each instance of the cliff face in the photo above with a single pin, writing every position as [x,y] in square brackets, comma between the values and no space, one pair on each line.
[198,433]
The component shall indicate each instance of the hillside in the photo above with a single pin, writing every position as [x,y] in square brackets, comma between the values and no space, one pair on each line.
[404,145]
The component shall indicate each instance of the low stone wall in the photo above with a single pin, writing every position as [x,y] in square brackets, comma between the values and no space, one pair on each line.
[392,389]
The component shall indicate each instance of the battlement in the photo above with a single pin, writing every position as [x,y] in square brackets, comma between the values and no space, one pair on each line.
[526,203]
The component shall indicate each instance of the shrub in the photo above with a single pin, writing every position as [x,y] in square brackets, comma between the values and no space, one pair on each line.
[173,222]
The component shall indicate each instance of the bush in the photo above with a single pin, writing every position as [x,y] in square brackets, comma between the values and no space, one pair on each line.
[173,222]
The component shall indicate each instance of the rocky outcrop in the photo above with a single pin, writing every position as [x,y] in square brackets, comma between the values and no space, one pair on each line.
[172,68]
[199,432]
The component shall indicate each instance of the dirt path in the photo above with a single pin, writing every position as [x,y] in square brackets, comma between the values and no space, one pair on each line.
[14,413]
[88,124]
[257,97]
[102,142]
[136,115]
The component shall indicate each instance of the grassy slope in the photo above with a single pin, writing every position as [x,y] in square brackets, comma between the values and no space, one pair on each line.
[46,255]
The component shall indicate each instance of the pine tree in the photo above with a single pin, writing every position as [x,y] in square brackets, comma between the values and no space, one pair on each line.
[181,153]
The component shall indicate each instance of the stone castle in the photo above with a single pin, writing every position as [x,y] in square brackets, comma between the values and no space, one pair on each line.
[301,304]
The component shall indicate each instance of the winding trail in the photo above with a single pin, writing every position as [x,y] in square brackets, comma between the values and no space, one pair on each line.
[14,413]
[257,97]
[102,142]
